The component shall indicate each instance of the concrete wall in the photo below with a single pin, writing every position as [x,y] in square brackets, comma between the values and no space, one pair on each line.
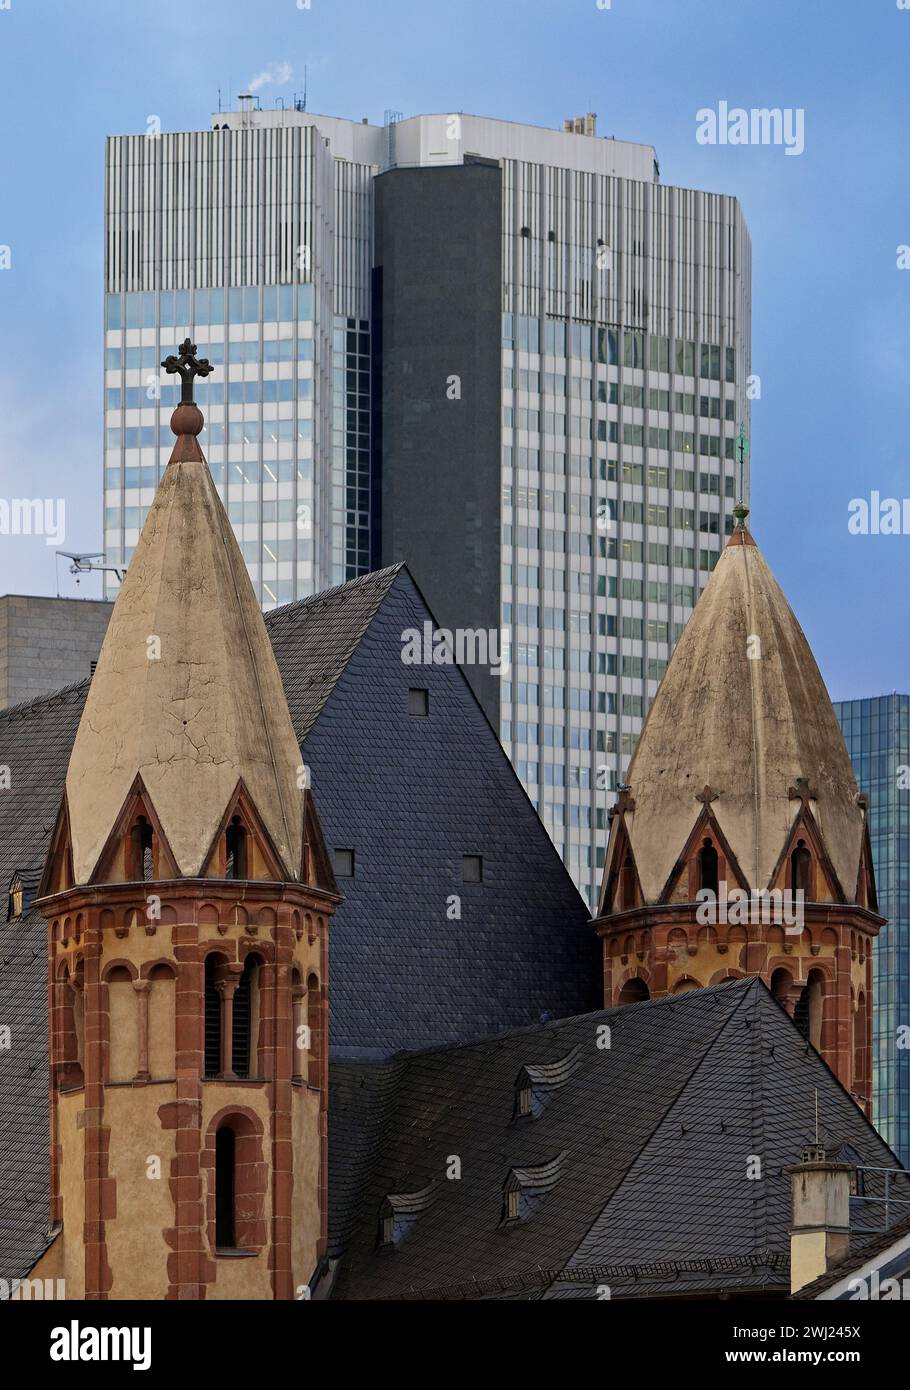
[47,643]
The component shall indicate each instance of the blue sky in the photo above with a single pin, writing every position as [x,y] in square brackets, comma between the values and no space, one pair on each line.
[831,336]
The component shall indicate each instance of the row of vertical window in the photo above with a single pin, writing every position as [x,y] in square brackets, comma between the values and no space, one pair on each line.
[241,304]
[217,393]
[656,591]
[555,500]
[612,548]
[615,347]
[608,432]
[558,386]
[267,431]
[607,624]
[148,359]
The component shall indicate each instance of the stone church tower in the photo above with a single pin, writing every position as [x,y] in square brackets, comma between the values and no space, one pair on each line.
[739,845]
[187,892]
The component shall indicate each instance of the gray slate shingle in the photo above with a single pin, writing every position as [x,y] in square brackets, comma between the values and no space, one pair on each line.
[654,1196]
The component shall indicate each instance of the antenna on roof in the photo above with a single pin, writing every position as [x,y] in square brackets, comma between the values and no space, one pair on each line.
[84,563]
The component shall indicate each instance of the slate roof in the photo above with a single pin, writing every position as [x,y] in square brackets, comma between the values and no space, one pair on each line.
[35,742]
[411,797]
[654,1138]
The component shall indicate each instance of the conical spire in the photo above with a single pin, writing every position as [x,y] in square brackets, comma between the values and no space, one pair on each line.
[186,694]
[743,715]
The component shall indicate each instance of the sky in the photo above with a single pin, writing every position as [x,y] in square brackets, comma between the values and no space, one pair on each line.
[831,332]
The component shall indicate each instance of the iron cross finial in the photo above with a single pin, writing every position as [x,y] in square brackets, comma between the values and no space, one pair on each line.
[741,511]
[187,366]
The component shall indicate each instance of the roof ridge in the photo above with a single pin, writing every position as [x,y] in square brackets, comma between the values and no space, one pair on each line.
[360,581]
[749,988]
[667,1001]
[22,707]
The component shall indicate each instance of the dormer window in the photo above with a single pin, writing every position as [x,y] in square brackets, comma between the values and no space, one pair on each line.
[525,1188]
[16,899]
[236,858]
[536,1085]
[400,1211]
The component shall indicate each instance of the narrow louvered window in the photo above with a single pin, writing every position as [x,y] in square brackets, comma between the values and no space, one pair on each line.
[212,1019]
[243,999]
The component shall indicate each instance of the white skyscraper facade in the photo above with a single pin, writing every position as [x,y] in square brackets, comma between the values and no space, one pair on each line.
[576,483]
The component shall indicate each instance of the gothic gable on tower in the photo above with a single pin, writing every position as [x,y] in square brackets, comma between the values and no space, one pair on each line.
[739,844]
[187,892]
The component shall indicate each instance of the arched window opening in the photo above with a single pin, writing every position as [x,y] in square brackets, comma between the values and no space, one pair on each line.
[298,1042]
[707,867]
[808,1012]
[627,890]
[860,1048]
[781,984]
[235,838]
[800,868]
[634,991]
[122,1026]
[77,984]
[212,1016]
[225,1227]
[685,985]
[69,1019]
[314,1030]
[142,840]
[242,1049]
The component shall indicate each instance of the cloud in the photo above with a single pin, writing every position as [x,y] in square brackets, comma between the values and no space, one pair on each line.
[277,73]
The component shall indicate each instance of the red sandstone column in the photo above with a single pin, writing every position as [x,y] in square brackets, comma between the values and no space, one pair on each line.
[100,1201]
[227,988]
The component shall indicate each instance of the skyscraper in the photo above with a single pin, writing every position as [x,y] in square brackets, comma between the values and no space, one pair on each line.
[506,354]
[877,733]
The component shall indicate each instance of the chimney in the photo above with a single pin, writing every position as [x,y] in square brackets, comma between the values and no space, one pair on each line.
[820,1220]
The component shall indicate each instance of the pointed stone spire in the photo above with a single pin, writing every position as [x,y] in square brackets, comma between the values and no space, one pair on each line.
[742,708]
[186,693]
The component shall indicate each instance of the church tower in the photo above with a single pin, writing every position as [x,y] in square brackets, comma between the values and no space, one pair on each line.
[739,844]
[187,893]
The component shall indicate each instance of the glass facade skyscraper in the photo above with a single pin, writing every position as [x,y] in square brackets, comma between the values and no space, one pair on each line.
[507,355]
[877,733]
